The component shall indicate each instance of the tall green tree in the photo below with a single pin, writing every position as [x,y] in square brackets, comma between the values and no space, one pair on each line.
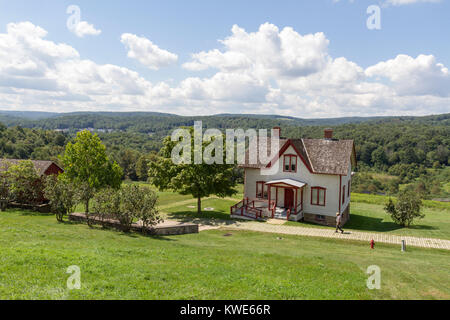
[87,165]
[142,165]
[198,180]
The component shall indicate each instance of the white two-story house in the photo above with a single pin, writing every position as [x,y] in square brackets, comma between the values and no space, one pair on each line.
[310,181]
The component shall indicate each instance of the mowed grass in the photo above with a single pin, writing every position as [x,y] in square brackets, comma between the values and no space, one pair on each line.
[36,251]
[372,217]
[211,209]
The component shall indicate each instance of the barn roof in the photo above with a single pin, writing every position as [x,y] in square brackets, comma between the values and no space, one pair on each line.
[41,166]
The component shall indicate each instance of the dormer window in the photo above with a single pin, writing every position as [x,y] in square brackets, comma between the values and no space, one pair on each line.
[290,163]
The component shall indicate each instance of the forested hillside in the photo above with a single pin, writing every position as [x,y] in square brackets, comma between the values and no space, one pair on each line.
[152,122]
[392,152]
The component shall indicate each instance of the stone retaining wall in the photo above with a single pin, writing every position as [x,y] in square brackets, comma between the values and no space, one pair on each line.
[164,228]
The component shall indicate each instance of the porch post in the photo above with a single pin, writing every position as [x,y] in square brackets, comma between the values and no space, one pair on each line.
[276,197]
[296,196]
[301,200]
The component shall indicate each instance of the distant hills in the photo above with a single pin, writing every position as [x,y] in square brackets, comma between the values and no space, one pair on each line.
[160,123]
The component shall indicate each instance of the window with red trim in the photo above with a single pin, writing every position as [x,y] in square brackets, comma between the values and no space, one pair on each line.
[318,196]
[290,163]
[343,194]
[348,189]
[261,190]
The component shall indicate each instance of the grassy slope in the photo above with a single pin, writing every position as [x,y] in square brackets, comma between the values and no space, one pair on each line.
[372,217]
[36,250]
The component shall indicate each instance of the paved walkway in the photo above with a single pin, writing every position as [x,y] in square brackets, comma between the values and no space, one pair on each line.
[348,235]
[276,226]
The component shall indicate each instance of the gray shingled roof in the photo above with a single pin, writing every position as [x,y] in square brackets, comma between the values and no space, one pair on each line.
[40,165]
[323,156]
[329,156]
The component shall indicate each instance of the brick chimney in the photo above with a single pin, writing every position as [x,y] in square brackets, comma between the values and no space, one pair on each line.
[328,134]
[279,130]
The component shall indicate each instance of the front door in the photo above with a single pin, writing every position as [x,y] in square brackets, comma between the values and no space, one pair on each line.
[288,198]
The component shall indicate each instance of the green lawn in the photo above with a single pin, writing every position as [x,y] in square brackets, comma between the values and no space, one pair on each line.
[381,200]
[36,250]
[220,210]
[372,217]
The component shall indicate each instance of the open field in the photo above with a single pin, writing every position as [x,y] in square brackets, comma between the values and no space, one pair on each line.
[381,200]
[36,250]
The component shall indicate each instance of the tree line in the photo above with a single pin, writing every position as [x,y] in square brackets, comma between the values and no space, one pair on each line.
[408,150]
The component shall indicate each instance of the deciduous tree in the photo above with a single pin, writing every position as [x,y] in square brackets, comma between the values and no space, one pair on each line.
[87,165]
[198,180]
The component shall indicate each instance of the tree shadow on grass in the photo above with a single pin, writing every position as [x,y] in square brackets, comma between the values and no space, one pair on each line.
[209,218]
[422,227]
[364,223]
[194,215]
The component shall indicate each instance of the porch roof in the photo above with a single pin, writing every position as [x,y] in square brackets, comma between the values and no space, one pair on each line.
[289,182]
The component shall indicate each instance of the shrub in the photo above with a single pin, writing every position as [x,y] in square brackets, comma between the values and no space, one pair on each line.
[146,200]
[62,195]
[105,204]
[25,184]
[140,203]
[126,205]
[407,208]
[5,194]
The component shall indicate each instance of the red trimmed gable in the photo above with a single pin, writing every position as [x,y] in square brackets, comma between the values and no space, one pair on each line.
[283,150]
[53,169]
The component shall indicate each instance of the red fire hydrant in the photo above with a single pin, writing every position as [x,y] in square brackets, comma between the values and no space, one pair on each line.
[372,244]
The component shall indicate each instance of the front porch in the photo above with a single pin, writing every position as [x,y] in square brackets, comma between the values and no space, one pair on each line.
[284,200]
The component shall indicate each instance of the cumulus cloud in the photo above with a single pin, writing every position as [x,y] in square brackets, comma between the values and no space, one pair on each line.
[146,52]
[268,52]
[268,71]
[40,74]
[414,76]
[282,71]
[83,28]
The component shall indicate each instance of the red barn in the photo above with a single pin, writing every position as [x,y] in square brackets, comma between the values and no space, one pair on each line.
[43,167]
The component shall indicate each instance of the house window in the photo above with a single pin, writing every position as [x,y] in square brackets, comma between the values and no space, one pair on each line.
[290,163]
[318,195]
[348,189]
[343,194]
[320,217]
[261,190]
